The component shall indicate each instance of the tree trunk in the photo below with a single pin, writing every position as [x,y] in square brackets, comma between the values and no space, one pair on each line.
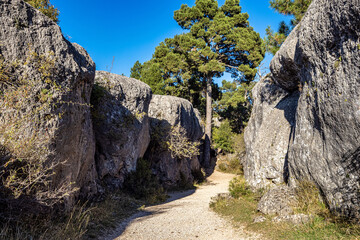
[207,147]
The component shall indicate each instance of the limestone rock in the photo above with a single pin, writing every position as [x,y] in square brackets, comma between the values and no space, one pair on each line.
[259,219]
[46,83]
[295,219]
[167,112]
[267,134]
[321,57]
[277,201]
[121,125]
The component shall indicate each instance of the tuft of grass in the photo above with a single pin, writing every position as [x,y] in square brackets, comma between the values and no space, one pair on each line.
[229,163]
[309,200]
[239,188]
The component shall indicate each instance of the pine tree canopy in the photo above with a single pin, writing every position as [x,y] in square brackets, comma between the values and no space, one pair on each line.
[219,40]
[296,8]
[135,71]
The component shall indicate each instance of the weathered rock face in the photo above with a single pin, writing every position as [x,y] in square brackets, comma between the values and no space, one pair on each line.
[166,113]
[321,57]
[267,134]
[121,125]
[278,200]
[45,85]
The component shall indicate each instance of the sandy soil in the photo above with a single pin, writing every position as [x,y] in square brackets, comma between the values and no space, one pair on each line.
[186,215]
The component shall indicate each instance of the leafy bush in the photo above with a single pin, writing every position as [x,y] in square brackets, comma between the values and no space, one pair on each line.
[223,137]
[143,184]
[238,187]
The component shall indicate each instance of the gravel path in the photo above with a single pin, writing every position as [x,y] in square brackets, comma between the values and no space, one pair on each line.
[186,215]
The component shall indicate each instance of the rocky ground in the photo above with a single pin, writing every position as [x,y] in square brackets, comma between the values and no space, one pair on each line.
[186,215]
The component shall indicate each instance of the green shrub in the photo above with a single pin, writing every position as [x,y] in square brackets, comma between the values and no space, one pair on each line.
[223,137]
[239,188]
[142,184]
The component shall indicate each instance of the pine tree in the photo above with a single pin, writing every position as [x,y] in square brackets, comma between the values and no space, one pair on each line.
[219,39]
[46,8]
[273,40]
[135,71]
[235,104]
[295,8]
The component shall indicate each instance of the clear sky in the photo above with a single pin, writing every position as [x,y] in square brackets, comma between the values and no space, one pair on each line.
[129,30]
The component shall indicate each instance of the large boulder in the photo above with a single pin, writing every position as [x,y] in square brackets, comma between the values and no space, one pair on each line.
[121,125]
[173,120]
[267,134]
[321,57]
[45,121]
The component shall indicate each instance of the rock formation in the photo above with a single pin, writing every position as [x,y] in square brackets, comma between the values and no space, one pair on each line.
[267,133]
[121,125]
[45,84]
[173,117]
[315,76]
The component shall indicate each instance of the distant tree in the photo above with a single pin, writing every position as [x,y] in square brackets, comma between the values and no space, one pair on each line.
[151,74]
[135,71]
[219,40]
[273,40]
[46,8]
[235,104]
[223,137]
[295,8]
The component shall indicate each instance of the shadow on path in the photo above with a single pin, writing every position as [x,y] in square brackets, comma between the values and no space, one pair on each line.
[145,214]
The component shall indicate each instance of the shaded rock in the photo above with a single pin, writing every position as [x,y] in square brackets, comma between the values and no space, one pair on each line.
[322,55]
[296,219]
[267,134]
[278,201]
[166,114]
[46,81]
[121,125]
[285,72]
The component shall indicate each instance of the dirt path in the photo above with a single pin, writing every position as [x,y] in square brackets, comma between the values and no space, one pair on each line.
[186,215]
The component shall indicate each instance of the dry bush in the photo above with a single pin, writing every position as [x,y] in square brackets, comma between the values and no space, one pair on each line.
[30,105]
[180,146]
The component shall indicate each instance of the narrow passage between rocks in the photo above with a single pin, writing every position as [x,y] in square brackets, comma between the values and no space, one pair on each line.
[186,215]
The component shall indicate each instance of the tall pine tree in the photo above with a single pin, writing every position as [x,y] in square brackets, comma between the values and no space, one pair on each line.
[219,39]
[135,71]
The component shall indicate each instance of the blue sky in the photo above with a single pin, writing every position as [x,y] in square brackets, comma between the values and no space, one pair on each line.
[130,30]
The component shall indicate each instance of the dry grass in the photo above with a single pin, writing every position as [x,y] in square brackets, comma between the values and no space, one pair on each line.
[229,163]
[85,221]
[242,210]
